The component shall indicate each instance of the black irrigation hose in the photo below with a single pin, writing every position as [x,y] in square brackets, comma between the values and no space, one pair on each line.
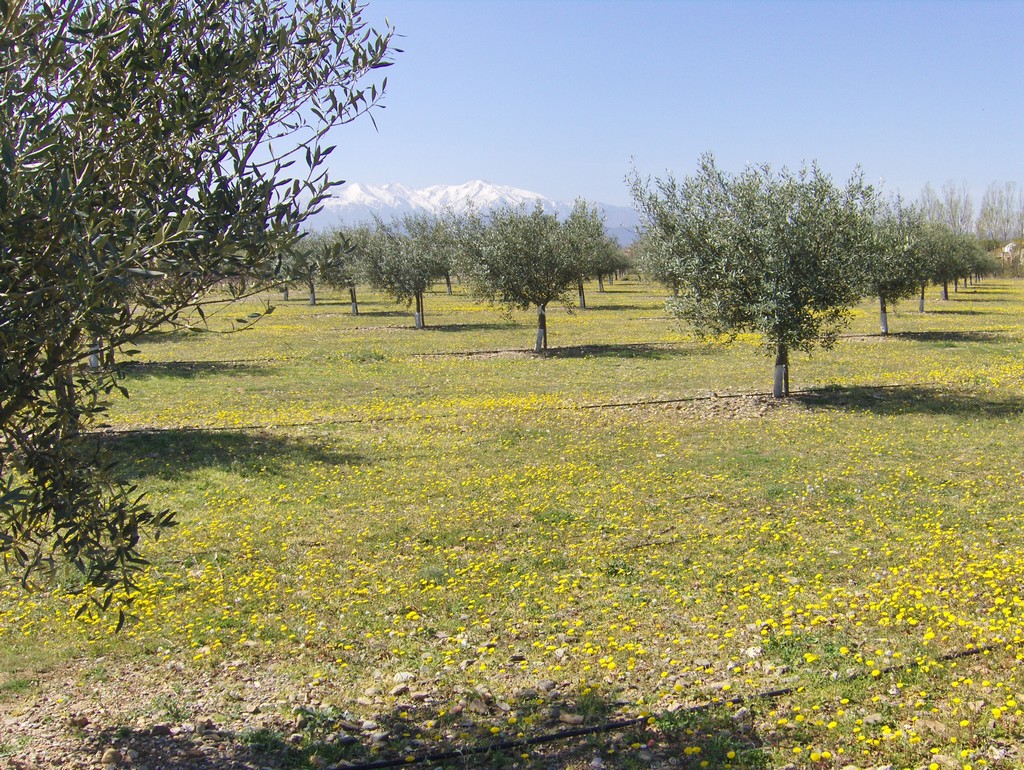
[607,727]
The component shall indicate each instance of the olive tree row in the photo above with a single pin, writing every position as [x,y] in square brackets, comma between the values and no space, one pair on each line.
[787,254]
[516,257]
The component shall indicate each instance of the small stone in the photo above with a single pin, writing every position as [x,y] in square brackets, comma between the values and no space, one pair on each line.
[295,738]
[478,706]
[79,720]
[368,726]
[420,695]
[403,676]
[702,663]
[378,737]
[547,685]
[873,719]
[517,658]
[252,709]
[644,755]
[160,729]
[399,689]
[570,719]
[943,760]
[110,757]
[931,725]
[742,714]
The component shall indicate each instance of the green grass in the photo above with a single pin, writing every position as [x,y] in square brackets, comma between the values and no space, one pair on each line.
[627,515]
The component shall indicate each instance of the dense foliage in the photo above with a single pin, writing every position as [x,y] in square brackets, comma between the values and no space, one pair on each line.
[769,252]
[523,259]
[149,152]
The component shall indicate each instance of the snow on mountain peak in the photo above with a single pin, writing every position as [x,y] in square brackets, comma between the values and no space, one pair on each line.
[355,202]
[481,195]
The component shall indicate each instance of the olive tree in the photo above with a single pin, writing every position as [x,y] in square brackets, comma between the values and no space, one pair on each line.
[893,264]
[313,261]
[149,151]
[405,256]
[768,252]
[526,259]
[354,245]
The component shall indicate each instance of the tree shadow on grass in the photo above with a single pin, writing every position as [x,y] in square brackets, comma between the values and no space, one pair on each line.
[910,399]
[939,308]
[635,350]
[957,336]
[484,326]
[170,335]
[599,307]
[175,453]
[554,729]
[190,370]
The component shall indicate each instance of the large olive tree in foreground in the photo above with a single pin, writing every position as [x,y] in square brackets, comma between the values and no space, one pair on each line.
[149,151]
[768,252]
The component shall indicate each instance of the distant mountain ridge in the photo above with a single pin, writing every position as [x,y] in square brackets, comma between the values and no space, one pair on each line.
[355,203]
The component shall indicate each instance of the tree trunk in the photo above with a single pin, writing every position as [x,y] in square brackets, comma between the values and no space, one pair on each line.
[883,315]
[312,292]
[352,299]
[583,297]
[920,304]
[94,354]
[448,283]
[956,285]
[542,329]
[600,282]
[781,387]
[945,289]
[418,315]
[284,293]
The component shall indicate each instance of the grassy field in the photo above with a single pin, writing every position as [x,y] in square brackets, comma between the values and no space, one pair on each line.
[396,542]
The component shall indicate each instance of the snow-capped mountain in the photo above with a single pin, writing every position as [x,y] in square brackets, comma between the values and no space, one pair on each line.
[355,203]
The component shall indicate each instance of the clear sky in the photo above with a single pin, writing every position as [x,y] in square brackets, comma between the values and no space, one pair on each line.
[564,97]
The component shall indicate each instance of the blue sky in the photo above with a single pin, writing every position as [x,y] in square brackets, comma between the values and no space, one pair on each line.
[564,97]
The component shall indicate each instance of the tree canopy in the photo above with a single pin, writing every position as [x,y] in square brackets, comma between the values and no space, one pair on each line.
[893,264]
[149,150]
[530,258]
[768,252]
